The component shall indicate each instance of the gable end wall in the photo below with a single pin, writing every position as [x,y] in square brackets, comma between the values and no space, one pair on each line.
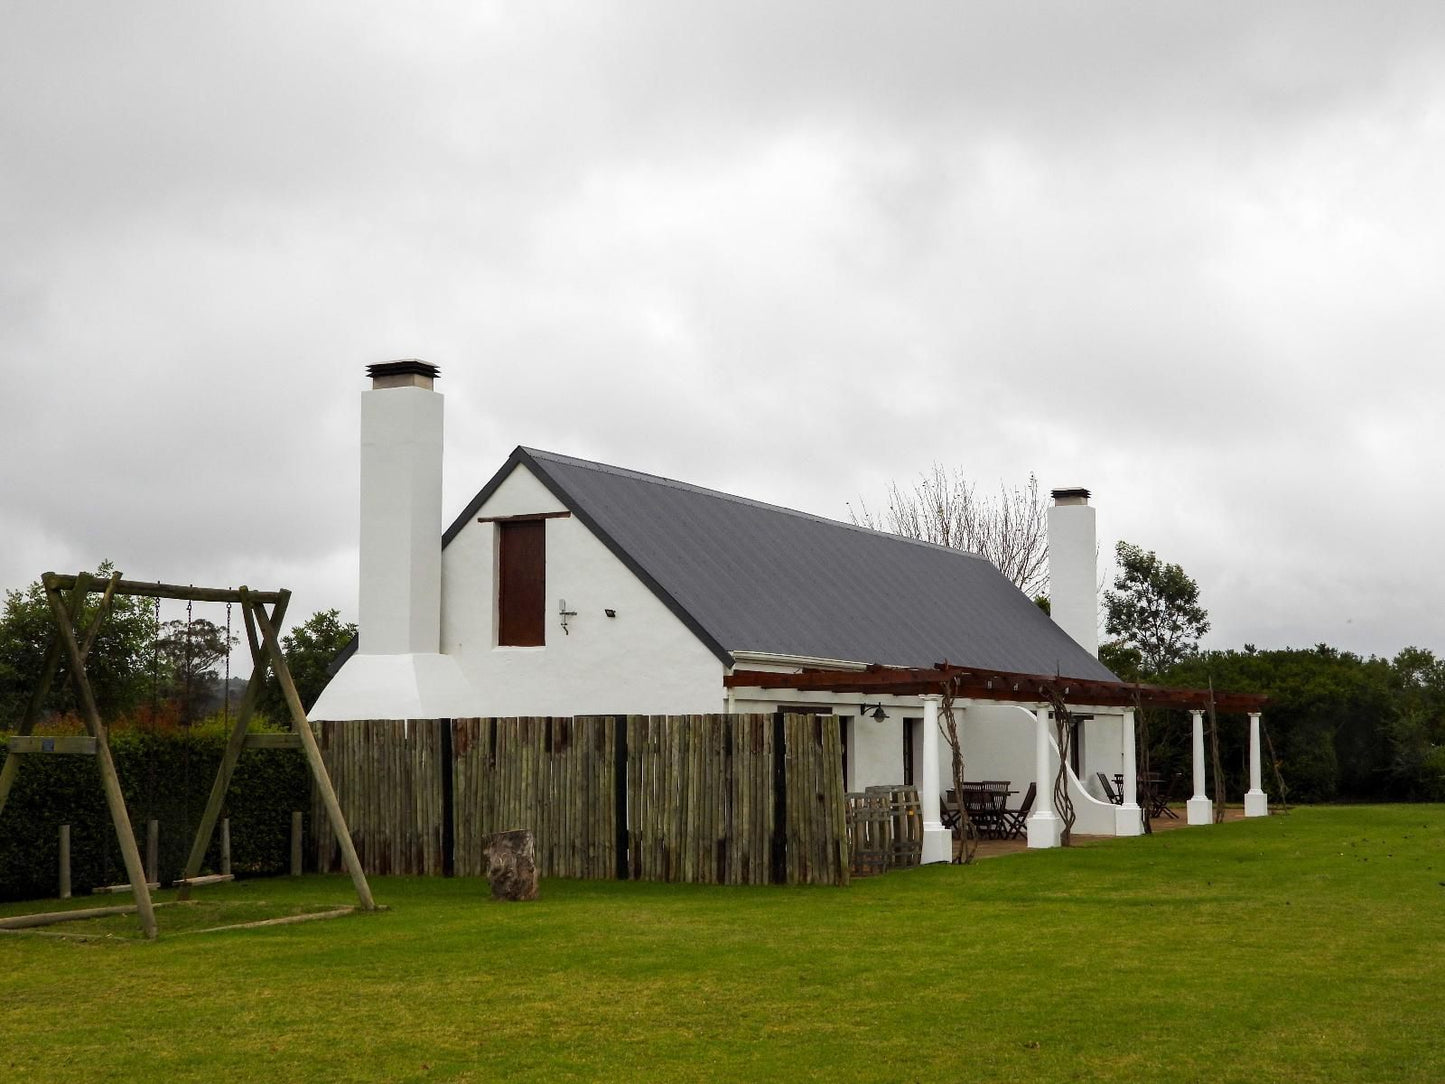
[644,660]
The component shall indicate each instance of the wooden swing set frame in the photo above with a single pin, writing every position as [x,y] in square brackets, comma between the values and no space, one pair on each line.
[66,595]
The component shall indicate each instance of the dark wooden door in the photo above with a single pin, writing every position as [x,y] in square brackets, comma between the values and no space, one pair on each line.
[522,583]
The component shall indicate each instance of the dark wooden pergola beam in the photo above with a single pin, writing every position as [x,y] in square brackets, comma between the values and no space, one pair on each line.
[974,684]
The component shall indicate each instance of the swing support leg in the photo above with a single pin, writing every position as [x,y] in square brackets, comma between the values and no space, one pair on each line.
[47,677]
[109,780]
[233,749]
[302,726]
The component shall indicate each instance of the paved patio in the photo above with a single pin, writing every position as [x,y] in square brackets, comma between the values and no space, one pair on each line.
[994,848]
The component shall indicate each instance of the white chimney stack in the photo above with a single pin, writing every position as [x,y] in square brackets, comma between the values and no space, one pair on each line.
[398,671]
[399,601]
[1073,583]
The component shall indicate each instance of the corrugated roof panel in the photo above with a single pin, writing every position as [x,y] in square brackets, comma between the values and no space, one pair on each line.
[757,577]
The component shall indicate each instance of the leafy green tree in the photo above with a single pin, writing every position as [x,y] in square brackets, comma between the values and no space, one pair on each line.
[1154,609]
[310,648]
[1125,661]
[1415,731]
[118,663]
[189,655]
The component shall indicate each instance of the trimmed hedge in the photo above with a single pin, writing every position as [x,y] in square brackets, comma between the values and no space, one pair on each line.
[164,775]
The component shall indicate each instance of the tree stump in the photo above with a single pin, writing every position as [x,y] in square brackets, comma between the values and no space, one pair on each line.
[512,865]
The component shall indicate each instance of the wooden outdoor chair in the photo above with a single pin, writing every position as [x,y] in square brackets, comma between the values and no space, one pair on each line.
[993,794]
[1156,796]
[1014,819]
[1159,804]
[948,810]
[1109,791]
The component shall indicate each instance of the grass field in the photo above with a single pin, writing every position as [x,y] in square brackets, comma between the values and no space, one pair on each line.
[1308,947]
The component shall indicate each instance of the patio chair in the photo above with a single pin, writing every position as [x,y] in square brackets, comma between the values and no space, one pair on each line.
[1109,791]
[948,810]
[1156,795]
[1013,819]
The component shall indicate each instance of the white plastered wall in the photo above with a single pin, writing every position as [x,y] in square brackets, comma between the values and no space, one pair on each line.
[998,743]
[643,660]
[875,750]
[1103,751]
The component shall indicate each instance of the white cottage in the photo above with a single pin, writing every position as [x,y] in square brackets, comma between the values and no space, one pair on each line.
[567,587]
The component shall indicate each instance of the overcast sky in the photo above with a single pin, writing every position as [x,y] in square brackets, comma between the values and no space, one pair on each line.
[1191,256]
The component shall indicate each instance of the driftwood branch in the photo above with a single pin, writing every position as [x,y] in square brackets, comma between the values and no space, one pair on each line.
[1142,767]
[1214,757]
[1274,764]
[968,836]
[1063,734]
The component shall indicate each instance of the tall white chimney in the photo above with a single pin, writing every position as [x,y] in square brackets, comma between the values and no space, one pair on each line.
[399,601]
[398,671]
[1073,583]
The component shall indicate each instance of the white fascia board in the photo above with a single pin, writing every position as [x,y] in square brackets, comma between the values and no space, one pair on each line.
[768,660]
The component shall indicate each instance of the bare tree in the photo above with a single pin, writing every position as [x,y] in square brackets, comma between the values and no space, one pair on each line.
[943,507]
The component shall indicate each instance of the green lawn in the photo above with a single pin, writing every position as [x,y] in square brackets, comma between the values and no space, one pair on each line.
[1299,948]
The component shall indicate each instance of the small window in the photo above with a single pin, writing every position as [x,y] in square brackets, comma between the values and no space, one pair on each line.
[521,583]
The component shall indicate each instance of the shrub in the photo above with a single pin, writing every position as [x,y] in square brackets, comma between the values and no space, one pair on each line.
[164,774]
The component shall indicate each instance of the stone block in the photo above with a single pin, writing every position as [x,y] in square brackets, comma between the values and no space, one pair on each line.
[512,865]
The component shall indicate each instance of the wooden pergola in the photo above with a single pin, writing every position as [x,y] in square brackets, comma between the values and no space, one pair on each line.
[972,683]
[66,595]
[1044,694]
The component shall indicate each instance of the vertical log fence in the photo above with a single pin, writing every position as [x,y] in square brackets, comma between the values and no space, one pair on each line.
[666,798]
[386,774]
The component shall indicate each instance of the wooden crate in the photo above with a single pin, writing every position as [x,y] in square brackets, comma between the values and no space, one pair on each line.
[905,812]
[870,834]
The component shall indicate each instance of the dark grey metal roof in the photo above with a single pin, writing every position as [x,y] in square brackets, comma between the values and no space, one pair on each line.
[747,576]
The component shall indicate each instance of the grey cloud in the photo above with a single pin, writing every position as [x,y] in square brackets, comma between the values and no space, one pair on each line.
[1188,255]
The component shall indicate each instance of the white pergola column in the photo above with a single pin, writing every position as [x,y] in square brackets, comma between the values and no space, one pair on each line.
[1127,820]
[937,840]
[1200,808]
[1256,802]
[1044,824]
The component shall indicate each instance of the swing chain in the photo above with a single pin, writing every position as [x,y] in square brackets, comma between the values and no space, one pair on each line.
[155,657]
[186,713]
[227,701]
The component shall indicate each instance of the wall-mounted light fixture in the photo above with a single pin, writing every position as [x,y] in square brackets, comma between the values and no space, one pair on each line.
[877,714]
[565,614]
[610,612]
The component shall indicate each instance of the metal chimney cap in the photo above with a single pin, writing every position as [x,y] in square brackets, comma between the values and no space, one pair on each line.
[407,373]
[1070,496]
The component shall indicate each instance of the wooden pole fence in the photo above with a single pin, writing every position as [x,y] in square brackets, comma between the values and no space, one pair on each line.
[668,798]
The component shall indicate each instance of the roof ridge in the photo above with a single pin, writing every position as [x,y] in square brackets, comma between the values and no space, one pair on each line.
[674,483]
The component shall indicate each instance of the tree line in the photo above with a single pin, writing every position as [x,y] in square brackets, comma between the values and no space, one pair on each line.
[149,672]
[1341,726]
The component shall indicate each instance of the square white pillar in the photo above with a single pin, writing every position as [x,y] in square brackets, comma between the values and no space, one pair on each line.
[1128,821]
[1256,802]
[1045,828]
[1199,809]
[937,840]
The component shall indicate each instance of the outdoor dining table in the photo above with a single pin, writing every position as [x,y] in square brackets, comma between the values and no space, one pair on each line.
[986,804]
